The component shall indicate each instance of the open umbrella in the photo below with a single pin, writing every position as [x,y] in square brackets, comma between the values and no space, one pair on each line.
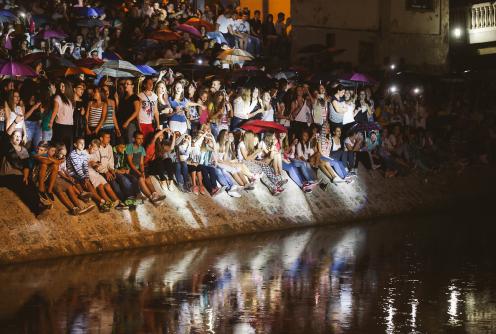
[73,71]
[46,34]
[197,23]
[15,69]
[111,72]
[258,126]
[121,65]
[86,11]
[235,55]
[146,70]
[189,29]
[165,35]
[360,78]
[7,15]
[88,62]
[110,55]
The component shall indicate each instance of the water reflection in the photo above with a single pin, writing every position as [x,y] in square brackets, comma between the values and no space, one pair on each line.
[393,277]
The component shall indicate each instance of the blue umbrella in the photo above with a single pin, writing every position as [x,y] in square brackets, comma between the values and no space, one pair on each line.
[7,13]
[86,11]
[146,70]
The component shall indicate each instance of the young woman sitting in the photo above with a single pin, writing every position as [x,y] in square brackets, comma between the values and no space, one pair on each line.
[160,155]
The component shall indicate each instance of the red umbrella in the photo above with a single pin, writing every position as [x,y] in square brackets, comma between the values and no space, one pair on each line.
[197,23]
[189,29]
[89,62]
[258,126]
[15,69]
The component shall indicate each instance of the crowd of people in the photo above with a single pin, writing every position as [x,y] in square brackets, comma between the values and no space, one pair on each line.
[112,143]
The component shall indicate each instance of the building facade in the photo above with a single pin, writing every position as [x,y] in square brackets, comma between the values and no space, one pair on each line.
[375,32]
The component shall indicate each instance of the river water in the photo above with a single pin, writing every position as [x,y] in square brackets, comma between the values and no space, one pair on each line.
[433,274]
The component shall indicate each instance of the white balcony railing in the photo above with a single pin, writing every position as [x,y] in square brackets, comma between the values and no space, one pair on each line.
[482,23]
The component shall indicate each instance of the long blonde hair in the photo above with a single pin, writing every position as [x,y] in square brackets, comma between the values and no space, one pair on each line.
[249,141]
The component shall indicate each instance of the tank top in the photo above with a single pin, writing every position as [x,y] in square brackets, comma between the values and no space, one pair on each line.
[109,121]
[334,146]
[334,116]
[94,117]
[305,114]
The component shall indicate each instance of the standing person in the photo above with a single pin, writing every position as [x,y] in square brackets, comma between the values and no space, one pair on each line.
[62,120]
[179,103]
[129,108]
[219,113]
[192,113]
[135,153]
[337,109]
[79,111]
[320,107]
[13,107]
[351,110]
[95,112]
[148,109]
[301,110]
[110,124]
[32,120]
[163,106]
[243,106]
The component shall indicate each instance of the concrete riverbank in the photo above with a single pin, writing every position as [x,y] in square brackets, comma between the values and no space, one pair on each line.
[186,217]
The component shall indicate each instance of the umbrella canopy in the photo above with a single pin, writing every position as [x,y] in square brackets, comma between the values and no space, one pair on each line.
[89,62]
[86,11]
[46,34]
[121,65]
[8,15]
[235,55]
[359,78]
[197,23]
[312,48]
[165,35]
[146,70]
[111,72]
[189,29]
[217,37]
[74,71]
[110,55]
[258,126]
[14,69]
[146,43]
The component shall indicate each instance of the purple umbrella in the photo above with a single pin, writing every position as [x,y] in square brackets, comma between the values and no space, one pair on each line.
[359,78]
[14,69]
[46,34]
[189,29]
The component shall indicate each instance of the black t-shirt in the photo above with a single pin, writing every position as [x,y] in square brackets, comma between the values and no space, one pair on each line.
[126,108]
[15,161]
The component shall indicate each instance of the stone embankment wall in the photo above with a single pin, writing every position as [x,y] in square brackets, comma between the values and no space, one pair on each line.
[185,217]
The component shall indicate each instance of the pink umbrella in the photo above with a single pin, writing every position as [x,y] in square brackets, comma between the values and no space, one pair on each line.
[359,78]
[189,29]
[14,69]
[46,34]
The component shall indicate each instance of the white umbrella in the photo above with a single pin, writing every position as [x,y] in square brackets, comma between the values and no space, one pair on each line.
[110,72]
[121,65]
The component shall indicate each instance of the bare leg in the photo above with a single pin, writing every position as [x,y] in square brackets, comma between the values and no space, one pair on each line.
[53,177]
[149,184]
[238,177]
[327,170]
[41,177]
[101,191]
[193,178]
[72,192]
[94,194]
[110,192]
[64,199]
[144,188]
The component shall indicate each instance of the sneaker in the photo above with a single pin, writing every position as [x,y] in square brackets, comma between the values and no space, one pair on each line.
[86,209]
[233,193]
[121,206]
[51,196]
[196,190]
[75,211]
[337,180]
[249,186]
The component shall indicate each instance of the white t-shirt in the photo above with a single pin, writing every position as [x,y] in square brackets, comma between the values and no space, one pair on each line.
[304,151]
[241,146]
[268,115]
[305,114]
[242,26]
[148,104]
[223,23]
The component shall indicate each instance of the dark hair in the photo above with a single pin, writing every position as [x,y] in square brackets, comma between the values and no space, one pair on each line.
[137,133]
[66,97]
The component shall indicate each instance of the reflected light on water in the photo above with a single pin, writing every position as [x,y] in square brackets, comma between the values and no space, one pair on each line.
[453,300]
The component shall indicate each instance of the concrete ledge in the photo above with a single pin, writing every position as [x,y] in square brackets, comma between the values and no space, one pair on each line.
[188,217]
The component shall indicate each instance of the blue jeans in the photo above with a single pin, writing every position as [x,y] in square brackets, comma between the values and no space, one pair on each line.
[209,177]
[125,186]
[224,178]
[33,132]
[338,166]
[181,172]
[46,135]
[299,171]
[214,128]
[236,123]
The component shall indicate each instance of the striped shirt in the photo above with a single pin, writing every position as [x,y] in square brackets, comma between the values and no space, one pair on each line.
[95,116]
[109,121]
[77,165]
